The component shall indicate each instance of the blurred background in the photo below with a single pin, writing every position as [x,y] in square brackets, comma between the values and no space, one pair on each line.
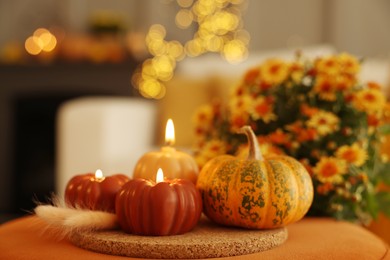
[176,54]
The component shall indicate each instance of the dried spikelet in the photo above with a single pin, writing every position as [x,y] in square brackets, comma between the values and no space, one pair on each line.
[91,220]
[53,215]
[70,219]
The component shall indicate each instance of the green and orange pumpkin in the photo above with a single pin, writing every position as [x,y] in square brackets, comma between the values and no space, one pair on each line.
[257,192]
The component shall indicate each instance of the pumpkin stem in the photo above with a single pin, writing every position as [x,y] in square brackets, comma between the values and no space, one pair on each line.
[254,149]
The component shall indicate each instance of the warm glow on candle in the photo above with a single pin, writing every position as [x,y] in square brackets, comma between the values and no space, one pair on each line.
[98,174]
[170,133]
[159,176]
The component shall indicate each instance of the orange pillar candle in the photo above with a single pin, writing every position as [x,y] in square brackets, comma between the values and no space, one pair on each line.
[174,163]
[164,207]
[94,191]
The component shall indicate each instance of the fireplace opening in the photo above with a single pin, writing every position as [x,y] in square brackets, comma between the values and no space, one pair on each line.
[33,160]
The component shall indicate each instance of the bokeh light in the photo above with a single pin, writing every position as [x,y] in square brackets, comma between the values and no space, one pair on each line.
[235,51]
[175,50]
[185,3]
[150,88]
[184,18]
[32,45]
[41,40]
[219,28]
[156,31]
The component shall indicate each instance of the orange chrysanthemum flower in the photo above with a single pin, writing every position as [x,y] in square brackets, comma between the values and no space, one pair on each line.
[307,134]
[373,85]
[325,188]
[301,133]
[295,127]
[308,110]
[203,116]
[238,91]
[238,120]
[325,122]
[369,100]
[262,108]
[327,65]
[344,82]
[348,63]
[353,154]
[330,169]
[241,103]
[279,137]
[274,71]
[212,148]
[239,110]
[324,87]
[373,120]
[251,77]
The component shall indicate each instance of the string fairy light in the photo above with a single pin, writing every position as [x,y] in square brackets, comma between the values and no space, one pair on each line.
[219,29]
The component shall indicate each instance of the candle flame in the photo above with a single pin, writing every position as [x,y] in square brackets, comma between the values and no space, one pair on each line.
[99,174]
[170,133]
[160,175]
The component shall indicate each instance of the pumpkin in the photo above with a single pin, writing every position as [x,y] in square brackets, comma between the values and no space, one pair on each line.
[88,192]
[174,163]
[167,208]
[257,192]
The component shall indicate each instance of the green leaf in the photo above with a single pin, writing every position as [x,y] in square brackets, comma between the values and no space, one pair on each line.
[384,173]
[384,129]
[372,203]
[383,199]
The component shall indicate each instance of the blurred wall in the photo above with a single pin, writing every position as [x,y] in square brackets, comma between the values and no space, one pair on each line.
[19,18]
[358,26]
[275,24]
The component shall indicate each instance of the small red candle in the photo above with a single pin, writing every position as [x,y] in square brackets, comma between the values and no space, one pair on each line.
[164,207]
[93,191]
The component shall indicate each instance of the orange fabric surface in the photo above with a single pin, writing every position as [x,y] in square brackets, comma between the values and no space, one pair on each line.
[381,227]
[310,238]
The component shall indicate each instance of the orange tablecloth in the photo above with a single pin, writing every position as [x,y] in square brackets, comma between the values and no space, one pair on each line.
[310,238]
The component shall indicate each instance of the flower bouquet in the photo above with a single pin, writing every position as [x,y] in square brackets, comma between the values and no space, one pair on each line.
[318,112]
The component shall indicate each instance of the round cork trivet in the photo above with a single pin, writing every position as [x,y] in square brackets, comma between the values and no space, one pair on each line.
[206,240]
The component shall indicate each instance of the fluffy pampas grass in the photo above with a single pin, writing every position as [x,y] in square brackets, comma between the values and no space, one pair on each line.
[73,219]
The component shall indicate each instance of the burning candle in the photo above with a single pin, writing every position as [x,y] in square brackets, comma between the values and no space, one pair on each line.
[158,208]
[94,191]
[174,163]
